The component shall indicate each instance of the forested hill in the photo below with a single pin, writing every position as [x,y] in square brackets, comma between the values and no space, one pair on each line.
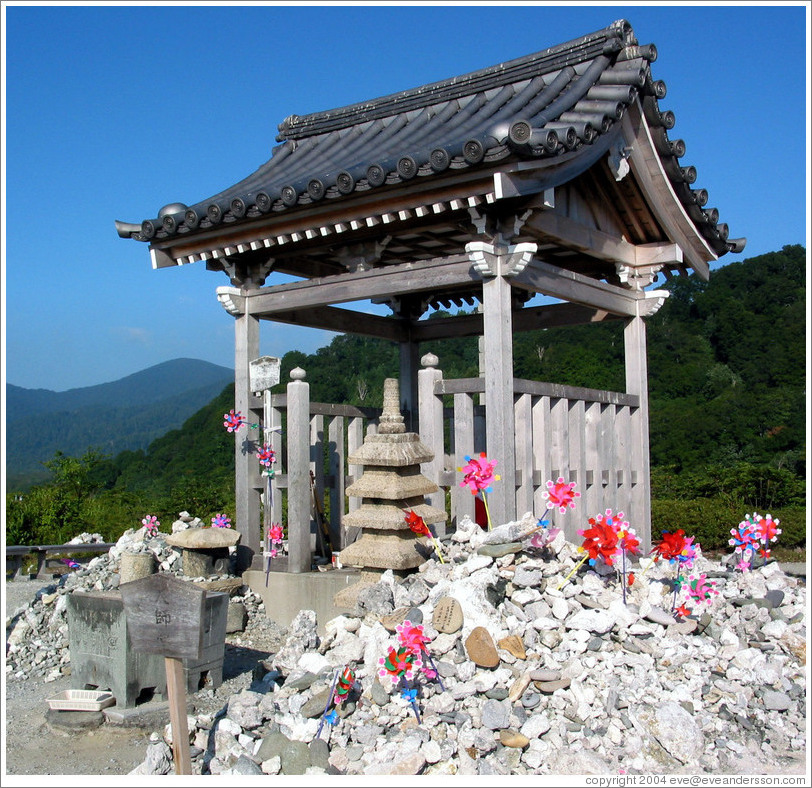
[726,374]
[126,414]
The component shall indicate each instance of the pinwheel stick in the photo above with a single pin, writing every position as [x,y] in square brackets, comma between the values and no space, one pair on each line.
[329,701]
[437,547]
[412,700]
[574,570]
[487,509]
[434,668]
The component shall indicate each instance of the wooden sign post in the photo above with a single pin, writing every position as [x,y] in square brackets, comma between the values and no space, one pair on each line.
[165,616]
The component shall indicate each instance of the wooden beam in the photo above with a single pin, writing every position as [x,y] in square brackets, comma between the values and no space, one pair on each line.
[539,277]
[380,282]
[347,321]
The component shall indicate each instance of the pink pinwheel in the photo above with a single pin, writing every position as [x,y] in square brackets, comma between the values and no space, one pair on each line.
[560,494]
[221,521]
[411,636]
[151,525]
[266,456]
[479,474]
[700,589]
[233,420]
[275,533]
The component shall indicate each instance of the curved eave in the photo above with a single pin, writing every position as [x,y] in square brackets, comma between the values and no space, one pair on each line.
[647,167]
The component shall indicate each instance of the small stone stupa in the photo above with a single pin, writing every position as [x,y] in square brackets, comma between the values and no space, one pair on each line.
[390,486]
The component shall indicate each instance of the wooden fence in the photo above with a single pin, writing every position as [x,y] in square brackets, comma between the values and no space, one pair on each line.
[583,435]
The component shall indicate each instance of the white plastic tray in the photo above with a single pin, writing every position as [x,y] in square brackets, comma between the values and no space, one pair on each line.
[81,700]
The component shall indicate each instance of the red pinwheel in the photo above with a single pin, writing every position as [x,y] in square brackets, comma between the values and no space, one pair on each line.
[600,540]
[560,494]
[417,524]
[412,637]
[676,548]
[344,684]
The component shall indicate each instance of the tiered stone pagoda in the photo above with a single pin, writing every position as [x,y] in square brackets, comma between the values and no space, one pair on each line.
[390,485]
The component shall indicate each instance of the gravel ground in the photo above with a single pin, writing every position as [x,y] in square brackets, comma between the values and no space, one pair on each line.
[33,745]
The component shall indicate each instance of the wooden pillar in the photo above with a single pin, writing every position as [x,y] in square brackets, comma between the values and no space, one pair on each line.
[496,263]
[299,548]
[431,431]
[409,365]
[634,337]
[247,480]
[500,422]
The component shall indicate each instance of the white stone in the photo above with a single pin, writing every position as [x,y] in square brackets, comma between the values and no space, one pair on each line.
[596,621]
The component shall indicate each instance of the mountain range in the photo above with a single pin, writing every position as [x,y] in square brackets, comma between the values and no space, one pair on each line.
[126,414]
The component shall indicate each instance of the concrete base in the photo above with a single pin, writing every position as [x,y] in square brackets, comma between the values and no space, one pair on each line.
[287,593]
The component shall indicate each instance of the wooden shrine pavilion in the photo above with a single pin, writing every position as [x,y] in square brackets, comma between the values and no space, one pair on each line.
[551,174]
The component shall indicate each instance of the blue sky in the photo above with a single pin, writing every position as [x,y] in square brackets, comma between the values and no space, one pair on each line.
[111,112]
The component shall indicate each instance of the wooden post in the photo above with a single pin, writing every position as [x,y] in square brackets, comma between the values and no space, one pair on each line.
[634,337]
[176,690]
[431,430]
[500,423]
[299,527]
[247,481]
[408,385]
[336,454]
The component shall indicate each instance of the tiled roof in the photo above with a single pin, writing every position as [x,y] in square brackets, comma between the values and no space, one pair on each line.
[549,107]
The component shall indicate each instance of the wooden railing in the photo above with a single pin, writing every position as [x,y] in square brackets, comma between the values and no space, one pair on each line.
[583,435]
[16,553]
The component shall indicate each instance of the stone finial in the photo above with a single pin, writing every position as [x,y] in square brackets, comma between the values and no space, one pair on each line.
[429,360]
[391,420]
[298,374]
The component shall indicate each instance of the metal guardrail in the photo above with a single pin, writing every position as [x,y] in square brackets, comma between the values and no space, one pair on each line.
[15,553]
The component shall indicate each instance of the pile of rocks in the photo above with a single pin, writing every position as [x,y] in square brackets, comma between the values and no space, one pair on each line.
[37,642]
[537,677]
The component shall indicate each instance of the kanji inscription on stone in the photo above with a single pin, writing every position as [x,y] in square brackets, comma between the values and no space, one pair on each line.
[447,616]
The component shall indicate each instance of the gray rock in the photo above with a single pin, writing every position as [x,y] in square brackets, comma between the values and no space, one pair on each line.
[244,709]
[319,754]
[777,701]
[295,757]
[272,746]
[314,707]
[244,765]
[676,730]
[530,700]
[659,616]
[495,714]
[379,694]
[526,578]
[498,550]
[376,598]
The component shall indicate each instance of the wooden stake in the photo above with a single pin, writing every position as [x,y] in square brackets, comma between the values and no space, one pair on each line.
[176,689]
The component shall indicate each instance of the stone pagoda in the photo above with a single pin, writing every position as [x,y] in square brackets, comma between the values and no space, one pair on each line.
[390,486]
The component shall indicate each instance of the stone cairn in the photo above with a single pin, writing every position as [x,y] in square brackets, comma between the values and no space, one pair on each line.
[390,485]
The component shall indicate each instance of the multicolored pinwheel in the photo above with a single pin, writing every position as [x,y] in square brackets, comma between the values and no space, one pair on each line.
[267,457]
[234,420]
[221,521]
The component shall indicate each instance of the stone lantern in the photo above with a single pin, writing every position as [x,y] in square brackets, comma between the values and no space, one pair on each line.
[390,485]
